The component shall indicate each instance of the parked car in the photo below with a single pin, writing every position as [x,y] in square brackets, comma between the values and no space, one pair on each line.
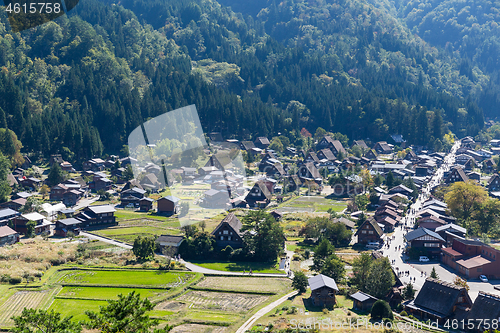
[373,245]
[483,278]
[423,259]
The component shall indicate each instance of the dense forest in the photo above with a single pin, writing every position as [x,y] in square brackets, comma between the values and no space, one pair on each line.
[80,84]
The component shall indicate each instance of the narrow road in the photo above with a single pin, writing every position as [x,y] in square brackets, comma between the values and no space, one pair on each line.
[409,220]
[106,240]
[249,323]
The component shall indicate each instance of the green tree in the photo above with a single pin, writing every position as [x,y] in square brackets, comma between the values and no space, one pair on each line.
[32,205]
[361,201]
[144,247]
[43,321]
[128,174]
[333,267]
[408,291]
[321,252]
[127,314]
[463,198]
[389,180]
[267,239]
[300,281]
[30,229]
[380,278]
[381,309]
[487,216]
[360,270]
[276,145]
[434,274]
[56,175]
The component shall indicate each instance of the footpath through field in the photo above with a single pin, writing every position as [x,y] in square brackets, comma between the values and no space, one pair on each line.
[249,323]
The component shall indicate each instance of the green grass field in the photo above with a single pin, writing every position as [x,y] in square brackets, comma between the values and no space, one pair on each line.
[129,234]
[256,267]
[146,278]
[211,317]
[76,307]
[314,204]
[103,293]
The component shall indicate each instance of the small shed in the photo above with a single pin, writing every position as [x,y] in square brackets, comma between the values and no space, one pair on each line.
[363,301]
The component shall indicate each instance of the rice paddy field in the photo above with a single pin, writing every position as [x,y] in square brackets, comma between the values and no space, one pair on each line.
[185,299]
[310,204]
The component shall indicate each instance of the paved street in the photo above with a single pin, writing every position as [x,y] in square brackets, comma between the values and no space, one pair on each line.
[397,244]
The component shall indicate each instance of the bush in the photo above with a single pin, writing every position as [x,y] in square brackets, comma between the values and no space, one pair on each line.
[404,314]
[381,309]
[15,280]
[325,311]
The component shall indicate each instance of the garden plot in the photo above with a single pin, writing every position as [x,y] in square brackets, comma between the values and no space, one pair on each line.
[20,300]
[197,328]
[248,284]
[222,301]
[126,278]
[310,204]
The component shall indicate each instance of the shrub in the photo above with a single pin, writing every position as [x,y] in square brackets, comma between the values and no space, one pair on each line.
[325,311]
[15,280]
[403,313]
[381,309]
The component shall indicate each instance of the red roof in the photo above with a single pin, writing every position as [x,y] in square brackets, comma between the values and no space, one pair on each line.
[451,252]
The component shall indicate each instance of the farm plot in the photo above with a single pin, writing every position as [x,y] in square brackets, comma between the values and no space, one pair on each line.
[129,234]
[197,328]
[75,307]
[248,284]
[20,300]
[100,293]
[207,300]
[125,278]
[309,204]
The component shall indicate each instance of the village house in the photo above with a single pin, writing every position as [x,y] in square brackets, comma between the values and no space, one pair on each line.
[472,258]
[361,144]
[172,241]
[369,231]
[309,172]
[145,204]
[382,147]
[362,301]
[7,215]
[323,290]
[449,232]
[42,225]
[453,301]
[95,164]
[426,239]
[15,204]
[484,312]
[430,222]
[215,199]
[371,154]
[334,145]
[168,205]
[228,232]
[8,236]
[97,215]
[30,182]
[494,183]
[456,174]
[259,195]
[100,182]
[64,226]
[132,196]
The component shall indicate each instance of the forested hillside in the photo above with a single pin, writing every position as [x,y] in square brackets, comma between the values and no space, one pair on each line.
[345,66]
[470,30]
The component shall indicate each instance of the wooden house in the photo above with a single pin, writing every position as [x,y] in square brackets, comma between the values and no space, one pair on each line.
[164,241]
[425,239]
[456,174]
[452,301]
[494,183]
[362,301]
[369,231]
[42,225]
[259,195]
[8,236]
[97,215]
[323,290]
[228,232]
[66,225]
[484,311]
[168,205]
[382,147]
[334,145]
[146,204]
[213,161]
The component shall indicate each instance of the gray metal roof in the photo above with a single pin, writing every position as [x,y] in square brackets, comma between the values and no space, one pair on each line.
[321,280]
[421,232]
[361,296]
[102,209]
[7,212]
[70,221]
[452,226]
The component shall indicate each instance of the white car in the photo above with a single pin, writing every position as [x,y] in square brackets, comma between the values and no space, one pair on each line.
[483,278]
[423,259]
